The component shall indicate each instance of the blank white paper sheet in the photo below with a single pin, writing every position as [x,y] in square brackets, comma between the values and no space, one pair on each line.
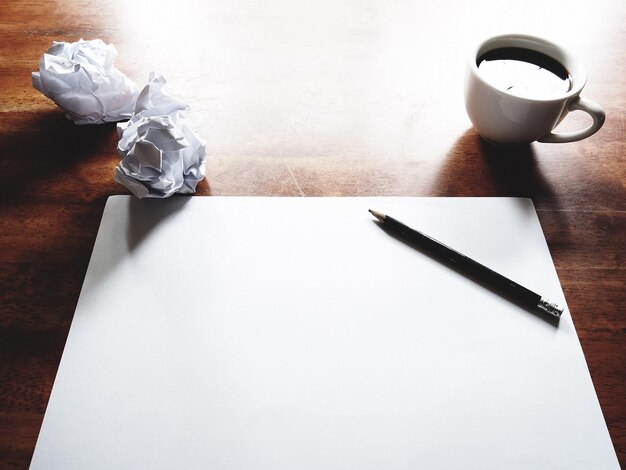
[294,333]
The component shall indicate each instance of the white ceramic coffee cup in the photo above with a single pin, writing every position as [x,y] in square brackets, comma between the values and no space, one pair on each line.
[503,118]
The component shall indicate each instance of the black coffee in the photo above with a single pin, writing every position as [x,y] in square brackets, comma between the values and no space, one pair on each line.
[524,72]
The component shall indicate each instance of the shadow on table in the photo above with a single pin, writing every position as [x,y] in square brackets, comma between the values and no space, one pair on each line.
[44,147]
[474,167]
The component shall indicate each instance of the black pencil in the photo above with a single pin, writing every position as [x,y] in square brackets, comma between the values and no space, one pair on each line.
[481,273]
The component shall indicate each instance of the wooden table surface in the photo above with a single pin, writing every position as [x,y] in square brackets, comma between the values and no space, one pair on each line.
[306,98]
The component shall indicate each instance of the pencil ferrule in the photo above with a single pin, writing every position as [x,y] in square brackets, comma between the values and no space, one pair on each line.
[550,308]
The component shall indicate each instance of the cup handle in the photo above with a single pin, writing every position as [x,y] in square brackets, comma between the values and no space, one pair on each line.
[593,109]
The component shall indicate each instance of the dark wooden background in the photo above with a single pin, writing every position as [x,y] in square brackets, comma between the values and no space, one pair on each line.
[308,98]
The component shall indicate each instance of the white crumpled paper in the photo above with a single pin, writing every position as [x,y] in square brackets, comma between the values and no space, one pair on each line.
[81,79]
[161,155]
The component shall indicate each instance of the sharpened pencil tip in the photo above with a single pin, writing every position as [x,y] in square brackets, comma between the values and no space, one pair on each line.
[380,216]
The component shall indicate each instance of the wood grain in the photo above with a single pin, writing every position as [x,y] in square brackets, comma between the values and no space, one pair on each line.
[309,98]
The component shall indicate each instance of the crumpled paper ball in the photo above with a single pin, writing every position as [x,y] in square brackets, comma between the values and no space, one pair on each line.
[161,155]
[81,79]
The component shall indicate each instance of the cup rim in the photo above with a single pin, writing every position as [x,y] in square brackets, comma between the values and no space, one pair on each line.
[571,63]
